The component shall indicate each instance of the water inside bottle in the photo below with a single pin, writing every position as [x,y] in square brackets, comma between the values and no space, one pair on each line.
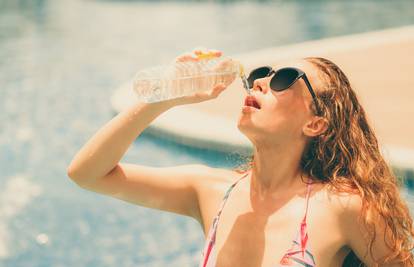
[182,78]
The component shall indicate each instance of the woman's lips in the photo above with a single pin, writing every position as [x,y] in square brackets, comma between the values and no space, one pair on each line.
[251,102]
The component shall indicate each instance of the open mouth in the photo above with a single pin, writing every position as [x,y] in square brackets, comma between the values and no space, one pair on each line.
[251,102]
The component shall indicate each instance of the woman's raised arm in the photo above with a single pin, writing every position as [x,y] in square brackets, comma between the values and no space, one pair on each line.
[101,154]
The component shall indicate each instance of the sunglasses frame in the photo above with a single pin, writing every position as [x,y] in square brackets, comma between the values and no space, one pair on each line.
[301,74]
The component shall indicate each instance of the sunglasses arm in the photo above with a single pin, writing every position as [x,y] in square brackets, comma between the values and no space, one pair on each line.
[312,93]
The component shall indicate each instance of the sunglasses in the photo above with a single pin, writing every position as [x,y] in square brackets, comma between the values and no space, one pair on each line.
[282,79]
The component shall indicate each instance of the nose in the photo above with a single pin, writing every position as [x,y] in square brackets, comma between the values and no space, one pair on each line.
[261,84]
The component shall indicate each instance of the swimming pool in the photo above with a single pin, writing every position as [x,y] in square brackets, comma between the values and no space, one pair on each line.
[59,64]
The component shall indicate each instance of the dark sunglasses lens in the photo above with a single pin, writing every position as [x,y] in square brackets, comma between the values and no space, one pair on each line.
[257,74]
[283,79]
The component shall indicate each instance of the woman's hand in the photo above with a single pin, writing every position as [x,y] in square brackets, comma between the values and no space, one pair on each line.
[220,84]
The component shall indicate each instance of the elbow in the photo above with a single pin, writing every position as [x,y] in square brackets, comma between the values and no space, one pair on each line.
[72,174]
[83,178]
[75,176]
[70,171]
[86,175]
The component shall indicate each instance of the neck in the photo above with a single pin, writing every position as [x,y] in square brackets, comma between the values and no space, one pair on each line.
[276,170]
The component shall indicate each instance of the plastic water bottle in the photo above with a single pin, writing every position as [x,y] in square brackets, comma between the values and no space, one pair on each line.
[184,78]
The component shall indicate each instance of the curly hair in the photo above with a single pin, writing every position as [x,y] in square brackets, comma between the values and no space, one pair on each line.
[347,158]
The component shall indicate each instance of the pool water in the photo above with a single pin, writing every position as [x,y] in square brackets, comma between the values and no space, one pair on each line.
[60,61]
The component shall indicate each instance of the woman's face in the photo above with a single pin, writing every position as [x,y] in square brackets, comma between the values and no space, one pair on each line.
[282,115]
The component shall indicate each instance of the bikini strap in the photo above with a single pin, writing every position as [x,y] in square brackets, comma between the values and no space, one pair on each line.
[212,231]
[223,202]
[307,200]
[302,237]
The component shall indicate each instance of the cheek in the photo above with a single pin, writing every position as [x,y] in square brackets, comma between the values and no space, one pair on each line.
[288,111]
[283,102]
[292,101]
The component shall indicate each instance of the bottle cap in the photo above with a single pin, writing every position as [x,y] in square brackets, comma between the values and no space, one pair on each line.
[208,55]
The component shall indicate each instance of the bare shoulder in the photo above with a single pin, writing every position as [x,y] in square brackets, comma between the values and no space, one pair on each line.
[337,213]
[211,178]
[352,221]
[346,208]
[342,203]
[343,208]
[211,185]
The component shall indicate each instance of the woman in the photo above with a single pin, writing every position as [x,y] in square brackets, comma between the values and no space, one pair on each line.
[317,191]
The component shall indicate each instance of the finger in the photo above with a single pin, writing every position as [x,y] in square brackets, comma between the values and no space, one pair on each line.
[186,57]
[215,52]
[190,58]
[199,48]
[198,52]
[182,57]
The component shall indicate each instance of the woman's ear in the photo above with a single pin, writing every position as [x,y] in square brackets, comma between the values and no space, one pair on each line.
[315,126]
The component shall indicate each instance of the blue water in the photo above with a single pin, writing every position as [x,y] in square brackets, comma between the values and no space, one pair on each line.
[60,61]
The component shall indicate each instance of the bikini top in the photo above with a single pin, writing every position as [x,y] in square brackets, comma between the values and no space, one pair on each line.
[298,255]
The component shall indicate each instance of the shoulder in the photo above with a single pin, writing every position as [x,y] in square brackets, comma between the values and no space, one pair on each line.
[211,184]
[344,203]
[348,208]
[340,209]
[345,206]
[208,176]
[338,202]
[204,179]
[202,170]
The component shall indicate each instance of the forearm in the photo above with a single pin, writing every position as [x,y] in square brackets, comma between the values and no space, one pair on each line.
[105,149]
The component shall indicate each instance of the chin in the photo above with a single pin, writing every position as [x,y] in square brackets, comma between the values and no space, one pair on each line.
[243,122]
[245,126]
[246,121]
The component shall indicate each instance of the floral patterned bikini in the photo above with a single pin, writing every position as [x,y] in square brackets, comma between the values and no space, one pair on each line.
[298,255]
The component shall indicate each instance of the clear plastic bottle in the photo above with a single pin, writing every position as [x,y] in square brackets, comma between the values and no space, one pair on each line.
[184,78]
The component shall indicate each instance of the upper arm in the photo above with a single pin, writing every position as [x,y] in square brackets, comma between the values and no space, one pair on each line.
[358,236]
[172,189]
